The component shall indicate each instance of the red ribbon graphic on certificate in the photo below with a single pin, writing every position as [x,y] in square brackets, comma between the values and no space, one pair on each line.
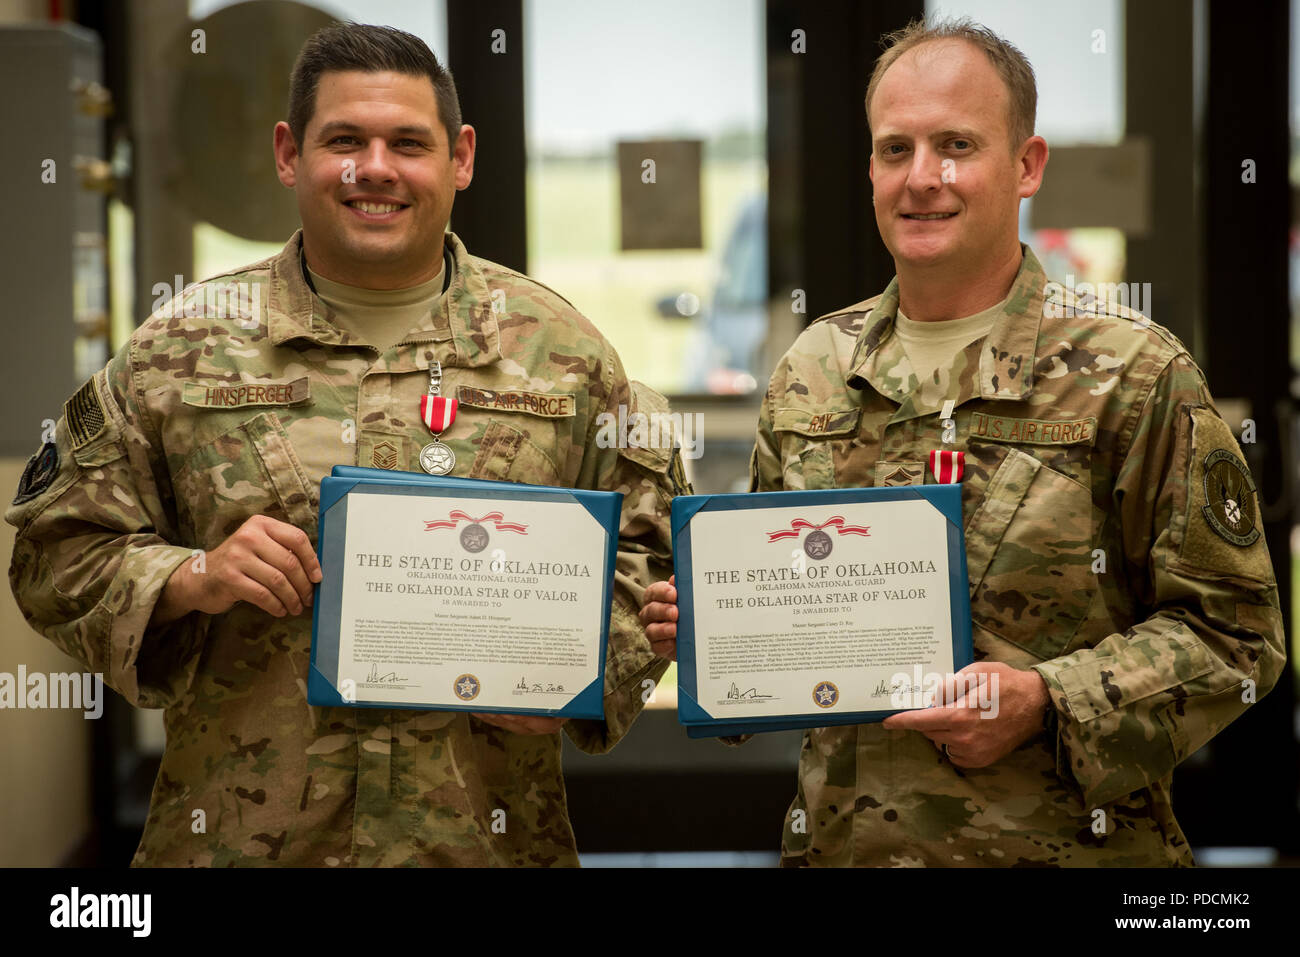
[836,521]
[456,516]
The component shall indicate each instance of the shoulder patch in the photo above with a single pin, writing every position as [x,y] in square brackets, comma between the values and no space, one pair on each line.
[1230,496]
[84,414]
[1221,530]
[39,473]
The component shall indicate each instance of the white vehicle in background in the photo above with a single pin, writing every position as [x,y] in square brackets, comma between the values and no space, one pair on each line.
[730,328]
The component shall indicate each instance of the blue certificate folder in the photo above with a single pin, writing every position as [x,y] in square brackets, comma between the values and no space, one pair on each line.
[604,507]
[699,723]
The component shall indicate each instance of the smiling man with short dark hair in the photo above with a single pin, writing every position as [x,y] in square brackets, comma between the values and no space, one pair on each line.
[166,536]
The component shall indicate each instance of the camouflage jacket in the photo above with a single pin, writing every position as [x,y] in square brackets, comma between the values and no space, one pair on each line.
[166,450]
[1095,557]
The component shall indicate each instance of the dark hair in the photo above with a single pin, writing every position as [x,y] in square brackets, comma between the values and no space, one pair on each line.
[371,49]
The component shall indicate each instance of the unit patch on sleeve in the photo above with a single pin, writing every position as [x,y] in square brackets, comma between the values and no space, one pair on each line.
[1230,495]
[39,473]
[1221,526]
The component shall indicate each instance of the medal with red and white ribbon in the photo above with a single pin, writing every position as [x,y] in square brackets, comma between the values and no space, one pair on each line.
[947,467]
[438,413]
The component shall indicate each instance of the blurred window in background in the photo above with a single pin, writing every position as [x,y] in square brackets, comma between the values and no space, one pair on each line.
[682,320]
[215,250]
[1077,52]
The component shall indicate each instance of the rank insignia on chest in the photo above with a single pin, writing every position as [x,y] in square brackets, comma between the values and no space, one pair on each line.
[947,466]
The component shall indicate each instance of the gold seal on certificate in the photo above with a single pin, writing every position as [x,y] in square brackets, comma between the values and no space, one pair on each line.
[446,593]
[800,609]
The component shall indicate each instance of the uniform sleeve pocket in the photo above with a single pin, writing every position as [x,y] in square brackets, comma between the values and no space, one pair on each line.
[1097,687]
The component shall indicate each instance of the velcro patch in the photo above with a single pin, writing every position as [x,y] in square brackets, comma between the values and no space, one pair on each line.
[84,414]
[899,473]
[553,405]
[39,473]
[810,423]
[1230,494]
[241,394]
[999,428]
[1222,523]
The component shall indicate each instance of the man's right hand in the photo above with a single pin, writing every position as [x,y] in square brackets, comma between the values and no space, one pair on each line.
[266,563]
[659,616]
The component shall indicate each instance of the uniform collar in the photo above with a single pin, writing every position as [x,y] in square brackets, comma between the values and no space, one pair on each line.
[1001,366]
[467,323]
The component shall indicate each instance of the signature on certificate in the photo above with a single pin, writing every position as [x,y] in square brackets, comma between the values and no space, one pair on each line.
[735,694]
[376,677]
[538,687]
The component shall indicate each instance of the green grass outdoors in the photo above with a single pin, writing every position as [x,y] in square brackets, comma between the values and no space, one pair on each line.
[573,238]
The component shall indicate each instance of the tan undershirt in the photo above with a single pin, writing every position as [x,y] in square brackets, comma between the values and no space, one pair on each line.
[380,317]
[931,346]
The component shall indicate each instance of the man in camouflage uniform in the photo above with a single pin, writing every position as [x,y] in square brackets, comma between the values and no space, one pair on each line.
[1121,590]
[211,431]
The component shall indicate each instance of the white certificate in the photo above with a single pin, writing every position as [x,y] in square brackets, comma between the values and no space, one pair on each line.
[470,603]
[818,609]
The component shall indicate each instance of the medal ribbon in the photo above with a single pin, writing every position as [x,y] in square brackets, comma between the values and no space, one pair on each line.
[835,521]
[947,467]
[436,411]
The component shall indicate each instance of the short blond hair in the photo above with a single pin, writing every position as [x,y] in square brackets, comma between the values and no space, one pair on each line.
[1011,64]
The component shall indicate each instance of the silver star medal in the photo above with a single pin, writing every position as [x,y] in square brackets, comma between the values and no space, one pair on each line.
[438,414]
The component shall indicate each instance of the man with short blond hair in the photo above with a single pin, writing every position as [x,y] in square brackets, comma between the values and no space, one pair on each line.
[1122,595]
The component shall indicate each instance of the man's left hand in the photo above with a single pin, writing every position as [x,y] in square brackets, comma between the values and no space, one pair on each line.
[980,723]
[523,723]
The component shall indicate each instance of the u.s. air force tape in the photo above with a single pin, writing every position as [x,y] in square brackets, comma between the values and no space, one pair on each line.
[84,414]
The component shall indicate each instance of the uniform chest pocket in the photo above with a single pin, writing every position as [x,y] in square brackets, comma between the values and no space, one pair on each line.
[517,452]
[251,469]
[811,441]
[1029,543]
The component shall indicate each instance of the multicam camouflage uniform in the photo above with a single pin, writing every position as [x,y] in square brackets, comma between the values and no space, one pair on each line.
[1085,438]
[162,453]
